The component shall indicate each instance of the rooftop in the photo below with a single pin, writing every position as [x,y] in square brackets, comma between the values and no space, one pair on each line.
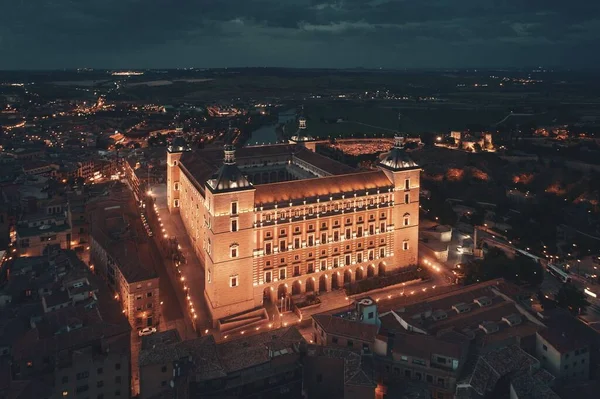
[564,338]
[116,226]
[214,360]
[347,328]
[495,364]
[319,187]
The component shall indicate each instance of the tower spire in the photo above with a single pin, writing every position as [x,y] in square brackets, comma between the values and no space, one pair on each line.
[229,155]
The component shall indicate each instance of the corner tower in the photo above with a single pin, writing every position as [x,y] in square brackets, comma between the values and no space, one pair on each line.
[230,240]
[174,152]
[405,175]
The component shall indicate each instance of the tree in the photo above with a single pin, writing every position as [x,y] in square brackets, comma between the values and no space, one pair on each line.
[496,264]
[570,297]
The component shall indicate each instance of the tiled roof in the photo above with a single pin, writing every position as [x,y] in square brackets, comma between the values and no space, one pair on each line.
[354,374]
[318,187]
[338,326]
[495,364]
[130,249]
[203,350]
[216,360]
[254,350]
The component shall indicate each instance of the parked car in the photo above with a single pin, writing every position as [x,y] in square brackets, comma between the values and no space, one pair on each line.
[147,331]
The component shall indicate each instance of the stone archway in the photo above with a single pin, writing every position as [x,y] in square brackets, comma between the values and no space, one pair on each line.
[297,287]
[359,274]
[310,284]
[348,277]
[335,281]
[371,271]
[268,294]
[323,283]
[282,291]
[381,270]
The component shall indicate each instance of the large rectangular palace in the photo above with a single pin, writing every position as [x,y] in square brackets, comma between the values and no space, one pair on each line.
[270,221]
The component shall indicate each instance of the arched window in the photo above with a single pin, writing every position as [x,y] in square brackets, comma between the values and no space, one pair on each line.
[406,219]
[234,251]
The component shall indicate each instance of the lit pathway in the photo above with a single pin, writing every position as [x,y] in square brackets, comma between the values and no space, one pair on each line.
[192,272]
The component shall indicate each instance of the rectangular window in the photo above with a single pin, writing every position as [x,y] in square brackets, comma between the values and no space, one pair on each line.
[268,277]
[296,270]
[382,227]
[234,252]
[359,257]
[310,267]
[233,281]
[311,240]
[234,208]
[336,235]
[407,184]
[324,238]
[323,264]
[371,254]
[359,232]
[371,229]
[405,245]
[282,274]
[406,220]
[407,198]
[282,246]
[268,248]
[234,226]
[336,262]
[382,252]
[296,243]
[348,260]
[348,234]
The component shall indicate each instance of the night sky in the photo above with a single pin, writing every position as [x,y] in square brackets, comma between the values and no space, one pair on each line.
[45,34]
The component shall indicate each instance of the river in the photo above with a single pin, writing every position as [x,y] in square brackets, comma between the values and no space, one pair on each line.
[267,134]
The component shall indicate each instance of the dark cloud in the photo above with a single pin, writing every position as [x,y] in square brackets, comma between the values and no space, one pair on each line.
[304,33]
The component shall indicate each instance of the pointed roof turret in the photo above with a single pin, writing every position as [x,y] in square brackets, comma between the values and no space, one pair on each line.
[302,134]
[229,177]
[397,158]
[178,145]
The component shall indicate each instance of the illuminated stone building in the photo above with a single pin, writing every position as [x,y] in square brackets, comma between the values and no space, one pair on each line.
[270,221]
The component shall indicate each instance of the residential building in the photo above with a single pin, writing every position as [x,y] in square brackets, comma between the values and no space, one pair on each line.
[63,333]
[48,229]
[123,255]
[564,353]
[262,365]
[430,343]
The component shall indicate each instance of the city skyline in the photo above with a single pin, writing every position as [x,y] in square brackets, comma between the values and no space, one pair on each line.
[306,34]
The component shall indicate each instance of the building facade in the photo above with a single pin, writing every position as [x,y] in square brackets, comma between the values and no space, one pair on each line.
[280,220]
[121,253]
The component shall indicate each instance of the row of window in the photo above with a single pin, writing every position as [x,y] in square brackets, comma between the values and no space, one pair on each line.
[286,214]
[348,234]
[85,374]
[324,264]
[417,375]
